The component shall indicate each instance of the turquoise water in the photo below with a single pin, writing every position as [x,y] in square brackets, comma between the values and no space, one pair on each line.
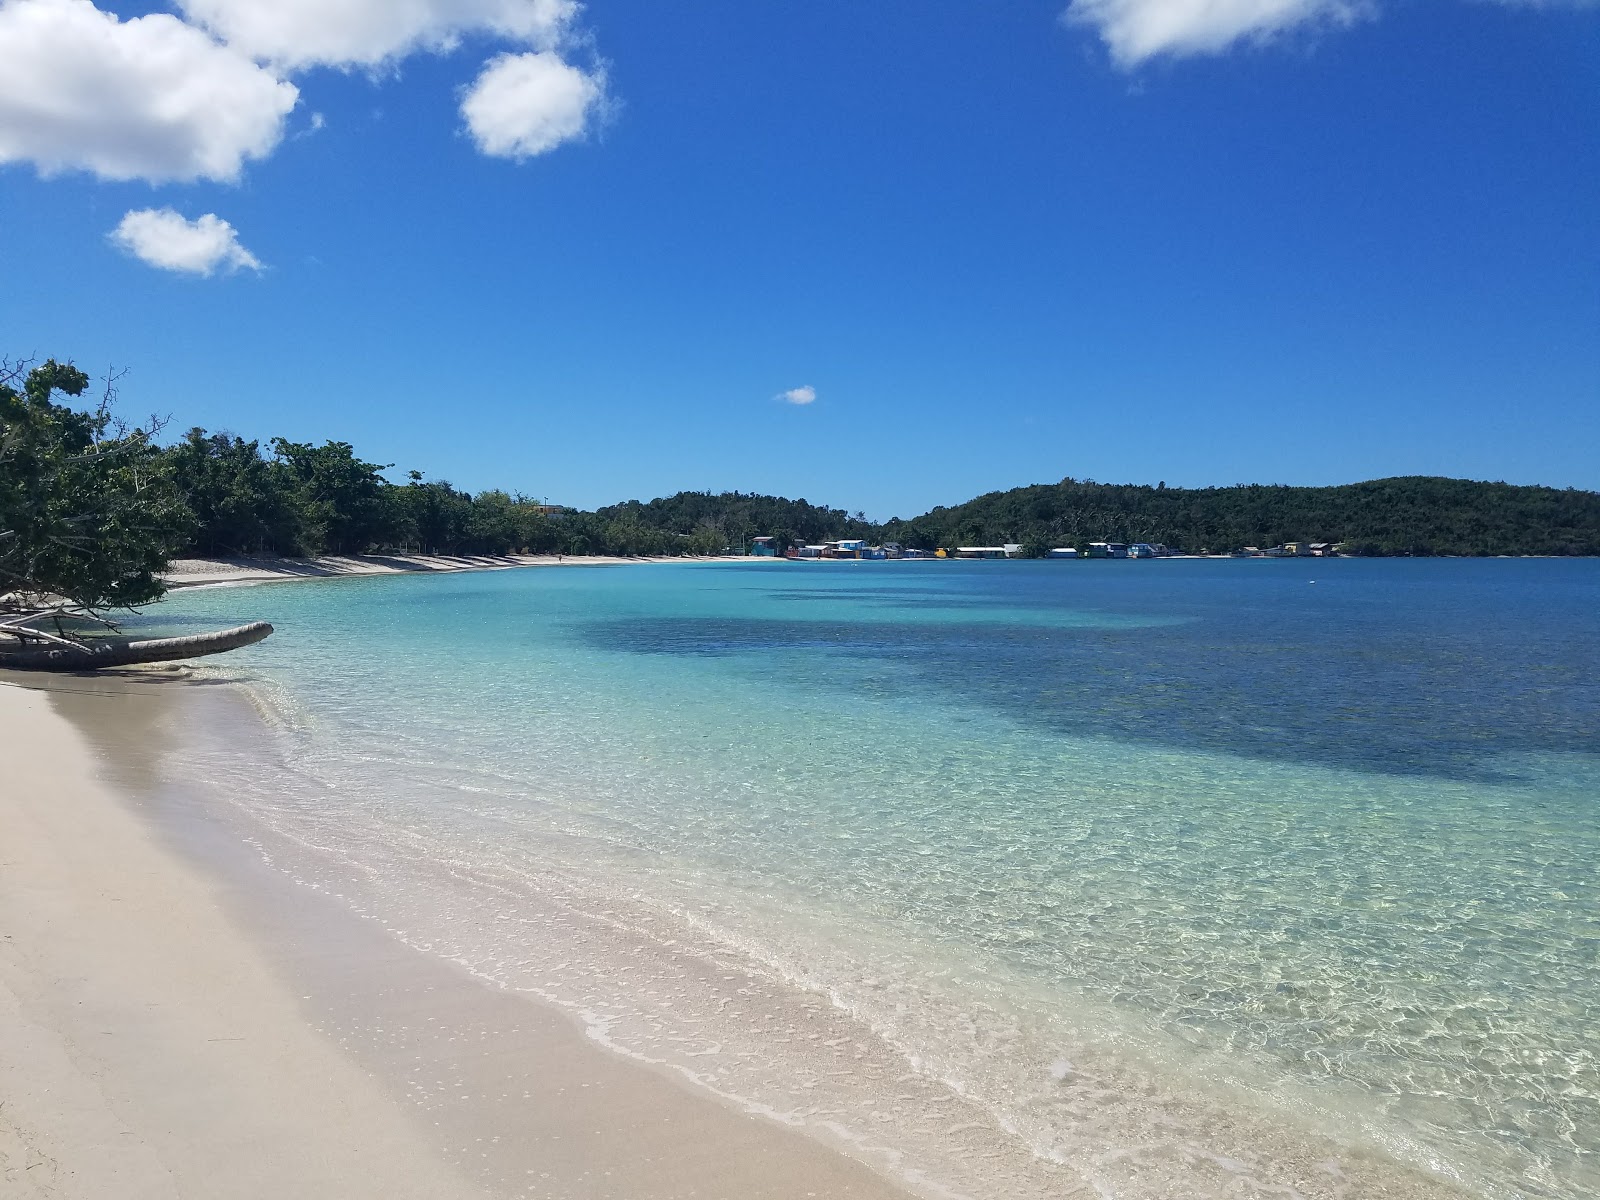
[1150,878]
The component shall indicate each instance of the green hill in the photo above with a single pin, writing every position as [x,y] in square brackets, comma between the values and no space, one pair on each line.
[1415,514]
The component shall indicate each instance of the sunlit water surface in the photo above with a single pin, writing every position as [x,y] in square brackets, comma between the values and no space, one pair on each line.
[1140,878]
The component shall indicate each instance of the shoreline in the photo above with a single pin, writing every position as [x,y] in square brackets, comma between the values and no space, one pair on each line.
[211,572]
[184,1020]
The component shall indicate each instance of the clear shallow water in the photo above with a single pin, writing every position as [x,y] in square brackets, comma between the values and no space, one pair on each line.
[1173,878]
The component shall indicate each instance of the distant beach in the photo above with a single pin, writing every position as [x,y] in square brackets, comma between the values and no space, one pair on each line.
[200,572]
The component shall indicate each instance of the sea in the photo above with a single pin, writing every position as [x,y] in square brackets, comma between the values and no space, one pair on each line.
[1172,878]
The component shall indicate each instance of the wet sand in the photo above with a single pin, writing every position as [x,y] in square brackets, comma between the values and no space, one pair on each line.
[180,1020]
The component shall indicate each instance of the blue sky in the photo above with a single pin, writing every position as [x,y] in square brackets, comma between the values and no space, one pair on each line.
[585,253]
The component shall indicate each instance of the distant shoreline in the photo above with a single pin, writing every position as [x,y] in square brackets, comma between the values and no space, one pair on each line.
[223,572]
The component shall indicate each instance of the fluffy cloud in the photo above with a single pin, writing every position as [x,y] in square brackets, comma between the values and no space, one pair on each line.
[799,395]
[151,98]
[1137,30]
[163,238]
[525,104]
[302,33]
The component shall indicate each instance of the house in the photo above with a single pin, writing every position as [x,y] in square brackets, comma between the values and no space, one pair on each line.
[764,547]
[1141,550]
[1063,552]
[981,552]
[847,548]
[1108,550]
[875,553]
[1322,550]
[809,551]
[1297,549]
[915,554]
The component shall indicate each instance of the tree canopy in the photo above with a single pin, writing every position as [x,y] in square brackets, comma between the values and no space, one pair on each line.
[1419,515]
[89,510]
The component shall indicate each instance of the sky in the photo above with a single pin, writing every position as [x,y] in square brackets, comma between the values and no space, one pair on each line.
[881,256]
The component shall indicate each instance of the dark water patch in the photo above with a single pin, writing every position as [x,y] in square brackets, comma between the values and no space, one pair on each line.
[1441,680]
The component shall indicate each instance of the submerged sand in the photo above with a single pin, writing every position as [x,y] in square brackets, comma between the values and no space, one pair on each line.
[178,1020]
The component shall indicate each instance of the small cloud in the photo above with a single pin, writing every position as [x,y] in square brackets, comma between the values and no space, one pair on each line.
[165,239]
[526,104]
[314,126]
[799,395]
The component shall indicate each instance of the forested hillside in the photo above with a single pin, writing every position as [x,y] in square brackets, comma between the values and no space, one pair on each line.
[1407,515]
[297,499]
[301,499]
[217,494]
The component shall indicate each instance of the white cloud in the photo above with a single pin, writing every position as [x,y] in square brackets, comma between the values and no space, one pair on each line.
[799,395]
[151,98]
[163,238]
[1137,30]
[525,104]
[303,33]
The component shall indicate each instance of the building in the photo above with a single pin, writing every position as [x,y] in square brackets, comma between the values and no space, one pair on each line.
[1141,550]
[986,551]
[764,547]
[1063,552]
[1108,550]
[1297,549]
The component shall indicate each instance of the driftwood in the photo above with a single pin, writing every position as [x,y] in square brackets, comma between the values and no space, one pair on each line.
[62,655]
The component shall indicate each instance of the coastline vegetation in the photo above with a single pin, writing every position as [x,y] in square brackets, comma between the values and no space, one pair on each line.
[297,499]
[91,509]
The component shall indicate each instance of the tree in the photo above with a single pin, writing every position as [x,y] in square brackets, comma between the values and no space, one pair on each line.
[89,512]
[341,497]
[241,504]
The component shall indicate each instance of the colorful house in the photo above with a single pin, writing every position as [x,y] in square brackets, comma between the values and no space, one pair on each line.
[764,547]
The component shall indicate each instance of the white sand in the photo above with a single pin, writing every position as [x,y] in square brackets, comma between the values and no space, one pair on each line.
[147,1051]
[161,1016]
[193,572]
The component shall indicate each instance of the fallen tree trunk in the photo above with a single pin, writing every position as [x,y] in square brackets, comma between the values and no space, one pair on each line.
[120,652]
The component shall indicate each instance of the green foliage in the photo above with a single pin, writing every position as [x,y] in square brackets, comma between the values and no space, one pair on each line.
[313,499]
[88,507]
[1418,515]
[736,517]
[344,508]
[241,503]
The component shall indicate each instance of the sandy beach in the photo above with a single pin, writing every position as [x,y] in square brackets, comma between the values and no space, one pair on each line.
[199,572]
[181,1021]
